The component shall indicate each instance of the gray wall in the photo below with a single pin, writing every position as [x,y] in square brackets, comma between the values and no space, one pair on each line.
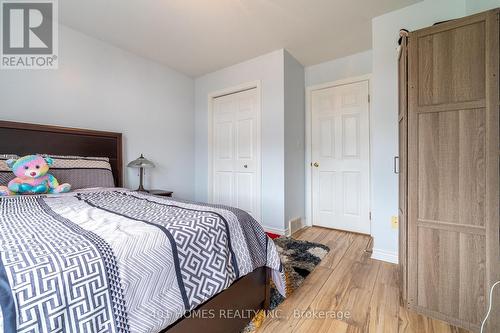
[294,139]
[354,65]
[101,87]
[384,111]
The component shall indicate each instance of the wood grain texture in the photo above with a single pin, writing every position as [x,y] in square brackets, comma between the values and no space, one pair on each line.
[245,295]
[452,65]
[451,156]
[403,166]
[492,161]
[453,169]
[368,289]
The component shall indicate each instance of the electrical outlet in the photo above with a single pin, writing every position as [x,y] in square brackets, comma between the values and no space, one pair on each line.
[394,222]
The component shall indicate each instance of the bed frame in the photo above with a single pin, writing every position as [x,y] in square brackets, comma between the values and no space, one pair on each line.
[244,297]
[24,139]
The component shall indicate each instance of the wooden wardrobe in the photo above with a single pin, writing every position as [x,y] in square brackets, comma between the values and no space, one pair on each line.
[449,170]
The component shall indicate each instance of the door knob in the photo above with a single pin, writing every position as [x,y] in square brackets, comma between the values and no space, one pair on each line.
[245,166]
[316,164]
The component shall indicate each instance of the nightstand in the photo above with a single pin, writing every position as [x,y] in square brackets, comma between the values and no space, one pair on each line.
[161,193]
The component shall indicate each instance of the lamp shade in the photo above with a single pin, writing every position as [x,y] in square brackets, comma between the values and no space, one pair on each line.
[141,162]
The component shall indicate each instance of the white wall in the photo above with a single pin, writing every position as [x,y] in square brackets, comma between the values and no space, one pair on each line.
[294,140]
[354,65]
[269,70]
[101,87]
[384,111]
[477,6]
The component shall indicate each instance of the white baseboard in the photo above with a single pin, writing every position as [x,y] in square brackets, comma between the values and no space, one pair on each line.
[384,255]
[283,232]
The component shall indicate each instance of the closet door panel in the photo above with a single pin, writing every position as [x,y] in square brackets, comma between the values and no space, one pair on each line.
[235,154]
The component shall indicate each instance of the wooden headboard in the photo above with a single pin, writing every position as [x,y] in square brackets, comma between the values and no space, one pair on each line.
[24,139]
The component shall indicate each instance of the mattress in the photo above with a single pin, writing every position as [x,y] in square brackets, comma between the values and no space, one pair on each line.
[113,260]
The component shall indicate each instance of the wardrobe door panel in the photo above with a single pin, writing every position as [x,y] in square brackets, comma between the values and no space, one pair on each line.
[445,283]
[403,156]
[453,170]
[451,167]
[451,65]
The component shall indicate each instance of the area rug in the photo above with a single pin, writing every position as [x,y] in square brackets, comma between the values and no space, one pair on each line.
[299,259]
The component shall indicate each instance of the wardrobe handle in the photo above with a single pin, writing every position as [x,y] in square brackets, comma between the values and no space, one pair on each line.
[396,164]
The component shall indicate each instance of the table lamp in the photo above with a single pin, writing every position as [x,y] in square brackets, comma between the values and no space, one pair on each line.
[141,163]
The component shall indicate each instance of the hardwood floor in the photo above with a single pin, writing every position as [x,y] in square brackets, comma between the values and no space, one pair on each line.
[348,282]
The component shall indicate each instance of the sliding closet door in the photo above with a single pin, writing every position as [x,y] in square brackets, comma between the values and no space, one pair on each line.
[403,156]
[235,177]
[453,169]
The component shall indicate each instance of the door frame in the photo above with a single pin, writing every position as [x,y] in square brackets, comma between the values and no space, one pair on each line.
[309,169]
[228,91]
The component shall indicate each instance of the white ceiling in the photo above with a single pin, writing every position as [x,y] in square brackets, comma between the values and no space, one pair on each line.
[200,36]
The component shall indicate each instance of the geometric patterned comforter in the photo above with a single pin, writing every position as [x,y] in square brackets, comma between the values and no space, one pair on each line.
[113,260]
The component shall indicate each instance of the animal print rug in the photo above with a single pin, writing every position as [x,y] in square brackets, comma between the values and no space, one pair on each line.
[299,259]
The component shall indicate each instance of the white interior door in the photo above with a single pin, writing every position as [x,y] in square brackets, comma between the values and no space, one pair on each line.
[340,157]
[236,152]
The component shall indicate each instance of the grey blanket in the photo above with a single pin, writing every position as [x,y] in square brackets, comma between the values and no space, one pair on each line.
[111,260]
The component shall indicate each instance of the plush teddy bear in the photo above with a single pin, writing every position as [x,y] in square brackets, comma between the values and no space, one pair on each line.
[32,177]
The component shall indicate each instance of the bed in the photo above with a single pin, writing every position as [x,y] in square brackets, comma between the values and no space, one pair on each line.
[112,260]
